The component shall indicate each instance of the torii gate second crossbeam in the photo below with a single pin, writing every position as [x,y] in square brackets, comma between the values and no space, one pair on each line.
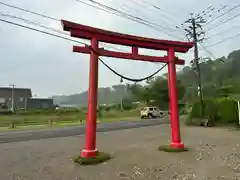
[98,35]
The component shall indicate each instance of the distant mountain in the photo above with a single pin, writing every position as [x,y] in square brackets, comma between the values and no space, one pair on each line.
[108,95]
[216,74]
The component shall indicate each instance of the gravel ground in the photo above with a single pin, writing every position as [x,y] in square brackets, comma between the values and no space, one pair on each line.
[214,154]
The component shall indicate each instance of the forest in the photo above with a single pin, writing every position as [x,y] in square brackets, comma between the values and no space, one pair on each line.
[220,77]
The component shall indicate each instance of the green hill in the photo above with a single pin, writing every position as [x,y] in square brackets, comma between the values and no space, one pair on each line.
[216,74]
[108,95]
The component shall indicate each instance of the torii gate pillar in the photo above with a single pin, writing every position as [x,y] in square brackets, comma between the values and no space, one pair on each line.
[173,95]
[90,149]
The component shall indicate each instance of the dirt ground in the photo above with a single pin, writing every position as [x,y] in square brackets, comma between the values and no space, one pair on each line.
[214,154]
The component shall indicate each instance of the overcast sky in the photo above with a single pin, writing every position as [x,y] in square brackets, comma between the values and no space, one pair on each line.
[47,64]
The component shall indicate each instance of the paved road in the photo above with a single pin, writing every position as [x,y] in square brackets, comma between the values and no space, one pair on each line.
[17,136]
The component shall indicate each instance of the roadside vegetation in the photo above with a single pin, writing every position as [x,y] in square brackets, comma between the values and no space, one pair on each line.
[217,112]
[62,117]
[220,86]
[221,91]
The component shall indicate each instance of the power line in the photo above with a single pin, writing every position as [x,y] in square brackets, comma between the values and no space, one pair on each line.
[223,22]
[224,31]
[136,19]
[158,9]
[161,9]
[199,16]
[233,8]
[43,26]
[226,39]
[33,23]
[29,11]
[205,11]
[128,8]
[170,15]
[33,12]
[151,10]
[68,39]
[208,51]
[212,11]
[125,14]
[43,32]
[129,16]
[102,9]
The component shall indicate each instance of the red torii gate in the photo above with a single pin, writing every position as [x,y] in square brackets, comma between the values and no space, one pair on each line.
[136,42]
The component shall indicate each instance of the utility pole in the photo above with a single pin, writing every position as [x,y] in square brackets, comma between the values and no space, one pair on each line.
[121,98]
[194,32]
[13,96]
[25,104]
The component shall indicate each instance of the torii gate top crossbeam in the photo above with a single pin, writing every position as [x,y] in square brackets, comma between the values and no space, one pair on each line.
[87,32]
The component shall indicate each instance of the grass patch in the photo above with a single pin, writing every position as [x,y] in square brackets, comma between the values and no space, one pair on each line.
[100,158]
[168,148]
[63,119]
[36,119]
[26,127]
[65,124]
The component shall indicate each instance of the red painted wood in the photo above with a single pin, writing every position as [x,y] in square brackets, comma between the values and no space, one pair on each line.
[174,114]
[87,32]
[123,55]
[90,149]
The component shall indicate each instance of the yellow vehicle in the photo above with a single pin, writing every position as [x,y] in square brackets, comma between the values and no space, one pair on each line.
[151,112]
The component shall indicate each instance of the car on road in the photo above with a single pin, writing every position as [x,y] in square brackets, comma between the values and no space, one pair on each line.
[151,112]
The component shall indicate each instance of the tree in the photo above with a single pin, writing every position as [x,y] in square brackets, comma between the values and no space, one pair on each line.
[157,92]
[138,91]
